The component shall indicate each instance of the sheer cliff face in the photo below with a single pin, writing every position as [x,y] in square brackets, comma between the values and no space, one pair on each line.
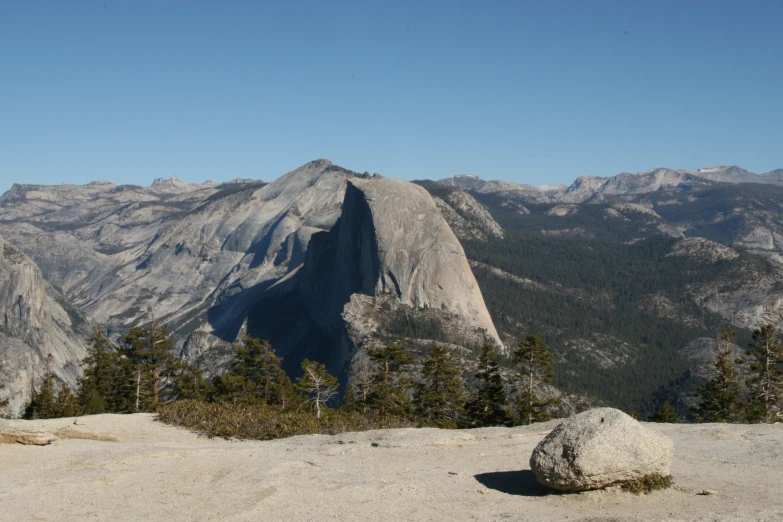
[391,241]
[34,325]
[420,260]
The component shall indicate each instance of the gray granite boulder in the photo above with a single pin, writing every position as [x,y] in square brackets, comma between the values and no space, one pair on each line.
[597,448]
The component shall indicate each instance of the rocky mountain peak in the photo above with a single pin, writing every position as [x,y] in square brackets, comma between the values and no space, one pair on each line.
[172,182]
[318,164]
[773,176]
[729,174]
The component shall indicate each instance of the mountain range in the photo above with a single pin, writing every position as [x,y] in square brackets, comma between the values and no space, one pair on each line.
[618,274]
[594,188]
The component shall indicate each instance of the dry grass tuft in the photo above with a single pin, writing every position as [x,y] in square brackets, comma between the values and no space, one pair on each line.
[647,484]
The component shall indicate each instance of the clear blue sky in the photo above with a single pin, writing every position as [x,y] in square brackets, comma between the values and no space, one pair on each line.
[533,92]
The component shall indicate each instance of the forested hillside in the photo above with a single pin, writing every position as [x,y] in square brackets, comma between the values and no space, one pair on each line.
[612,288]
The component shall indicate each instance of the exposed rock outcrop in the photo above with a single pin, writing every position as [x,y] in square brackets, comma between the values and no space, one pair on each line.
[392,241]
[703,250]
[598,448]
[468,218]
[35,322]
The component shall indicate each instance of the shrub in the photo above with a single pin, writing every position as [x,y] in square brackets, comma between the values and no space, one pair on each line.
[262,422]
[647,484]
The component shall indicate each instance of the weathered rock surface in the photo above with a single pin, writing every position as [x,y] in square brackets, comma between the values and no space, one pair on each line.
[467,217]
[420,259]
[423,474]
[34,323]
[25,436]
[42,433]
[597,448]
[390,243]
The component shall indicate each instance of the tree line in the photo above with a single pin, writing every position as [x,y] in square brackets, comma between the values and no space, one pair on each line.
[142,375]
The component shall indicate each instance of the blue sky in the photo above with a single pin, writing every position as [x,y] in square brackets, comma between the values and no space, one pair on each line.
[533,92]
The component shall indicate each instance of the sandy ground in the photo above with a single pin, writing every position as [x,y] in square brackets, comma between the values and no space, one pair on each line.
[157,472]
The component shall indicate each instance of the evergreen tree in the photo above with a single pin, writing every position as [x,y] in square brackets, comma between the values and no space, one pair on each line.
[42,404]
[317,384]
[535,366]
[720,397]
[633,414]
[665,413]
[391,386]
[766,384]
[191,384]
[488,404]
[255,377]
[357,393]
[102,380]
[439,396]
[66,404]
[154,367]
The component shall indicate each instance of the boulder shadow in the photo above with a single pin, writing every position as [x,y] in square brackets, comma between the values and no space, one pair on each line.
[522,482]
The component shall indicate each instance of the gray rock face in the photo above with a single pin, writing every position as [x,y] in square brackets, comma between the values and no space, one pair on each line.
[703,250]
[468,218]
[391,240]
[597,448]
[215,261]
[34,322]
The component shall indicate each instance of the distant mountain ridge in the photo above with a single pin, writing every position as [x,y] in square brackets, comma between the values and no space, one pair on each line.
[586,187]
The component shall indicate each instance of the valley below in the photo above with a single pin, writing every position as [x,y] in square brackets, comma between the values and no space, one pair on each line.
[154,471]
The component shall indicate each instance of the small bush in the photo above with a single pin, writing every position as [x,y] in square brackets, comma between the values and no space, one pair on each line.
[259,422]
[647,484]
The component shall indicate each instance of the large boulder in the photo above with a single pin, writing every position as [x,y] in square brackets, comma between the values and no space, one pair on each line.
[597,448]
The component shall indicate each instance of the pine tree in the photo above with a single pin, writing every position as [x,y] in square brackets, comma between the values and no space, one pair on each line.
[317,384]
[766,385]
[255,377]
[439,396]
[391,386]
[665,413]
[357,393]
[191,384]
[488,405]
[66,404]
[720,397]
[154,366]
[101,381]
[535,367]
[42,404]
